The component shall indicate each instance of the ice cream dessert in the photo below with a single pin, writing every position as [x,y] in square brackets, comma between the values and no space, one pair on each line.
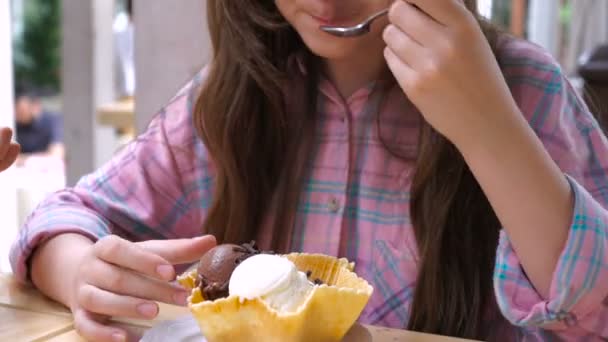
[272,278]
[288,298]
[216,267]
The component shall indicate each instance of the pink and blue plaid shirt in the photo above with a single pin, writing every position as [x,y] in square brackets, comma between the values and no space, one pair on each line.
[355,199]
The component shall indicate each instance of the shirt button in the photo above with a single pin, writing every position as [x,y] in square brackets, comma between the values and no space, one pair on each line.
[333,205]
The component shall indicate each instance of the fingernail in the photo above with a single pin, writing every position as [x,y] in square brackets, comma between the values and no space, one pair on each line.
[179,287]
[148,310]
[118,337]
[206,237]
[165,271]
[181,298]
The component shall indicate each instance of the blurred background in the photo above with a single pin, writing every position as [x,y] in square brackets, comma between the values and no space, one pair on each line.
[80,78]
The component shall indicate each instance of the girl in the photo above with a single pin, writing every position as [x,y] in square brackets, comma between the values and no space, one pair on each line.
[455,165]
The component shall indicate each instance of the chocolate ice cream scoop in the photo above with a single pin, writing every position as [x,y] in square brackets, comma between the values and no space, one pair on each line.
[216,267]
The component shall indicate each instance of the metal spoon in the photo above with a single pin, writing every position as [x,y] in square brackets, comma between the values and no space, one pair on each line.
[354,31]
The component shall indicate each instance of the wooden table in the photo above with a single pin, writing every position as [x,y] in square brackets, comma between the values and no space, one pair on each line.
[119,114]
[26,315]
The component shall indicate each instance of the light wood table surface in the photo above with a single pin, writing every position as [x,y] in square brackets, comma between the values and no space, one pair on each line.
[119,114]
[26,315]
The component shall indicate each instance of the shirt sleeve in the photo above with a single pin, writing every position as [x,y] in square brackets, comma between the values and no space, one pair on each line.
[56,128]
[157,187]
[577,305]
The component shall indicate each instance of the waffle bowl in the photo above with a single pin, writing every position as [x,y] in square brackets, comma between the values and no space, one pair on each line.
[326,315]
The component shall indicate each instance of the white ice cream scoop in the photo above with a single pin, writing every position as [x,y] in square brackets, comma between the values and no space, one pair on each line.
[273,279]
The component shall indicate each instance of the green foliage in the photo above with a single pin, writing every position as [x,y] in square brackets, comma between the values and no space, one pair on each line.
[565,14]
[37,57]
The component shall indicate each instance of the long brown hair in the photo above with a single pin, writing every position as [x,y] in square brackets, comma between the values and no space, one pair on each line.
[457,234]
[259,135]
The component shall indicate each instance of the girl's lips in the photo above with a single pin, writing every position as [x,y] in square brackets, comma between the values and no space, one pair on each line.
[321,20]
[327,21]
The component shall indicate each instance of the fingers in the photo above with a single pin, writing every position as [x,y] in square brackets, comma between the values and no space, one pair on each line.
[6,134]
[91,327]
[123,282]
[125,254]
[415,23]
[103,302]
[126,279]
[9,158]
[180,251]
[446,12]
[403,46]
[404,74]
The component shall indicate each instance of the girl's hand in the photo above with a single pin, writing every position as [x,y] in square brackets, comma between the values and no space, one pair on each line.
[443,62]
[8,150]
[120,278]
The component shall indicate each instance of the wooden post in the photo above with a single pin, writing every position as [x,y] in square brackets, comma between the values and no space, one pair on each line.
[518,17]
[171,45]
[87,82]
[6,67]
[8,191]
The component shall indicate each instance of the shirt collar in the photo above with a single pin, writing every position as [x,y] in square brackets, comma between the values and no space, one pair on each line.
[328,88]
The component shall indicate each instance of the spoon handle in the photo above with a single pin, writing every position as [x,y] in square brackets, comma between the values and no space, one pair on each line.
[377,15]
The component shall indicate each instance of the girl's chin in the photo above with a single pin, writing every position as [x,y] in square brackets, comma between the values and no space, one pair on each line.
[332,47]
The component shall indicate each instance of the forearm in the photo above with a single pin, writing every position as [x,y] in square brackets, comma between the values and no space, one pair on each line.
[529,193]
[54,264]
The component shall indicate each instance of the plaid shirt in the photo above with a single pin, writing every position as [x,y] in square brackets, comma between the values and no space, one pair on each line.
[355,200]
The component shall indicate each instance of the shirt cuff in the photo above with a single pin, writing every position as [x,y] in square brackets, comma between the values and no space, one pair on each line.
[47,224]
[580,281]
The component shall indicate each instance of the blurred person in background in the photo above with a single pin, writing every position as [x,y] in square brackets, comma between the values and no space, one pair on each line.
[38,131]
